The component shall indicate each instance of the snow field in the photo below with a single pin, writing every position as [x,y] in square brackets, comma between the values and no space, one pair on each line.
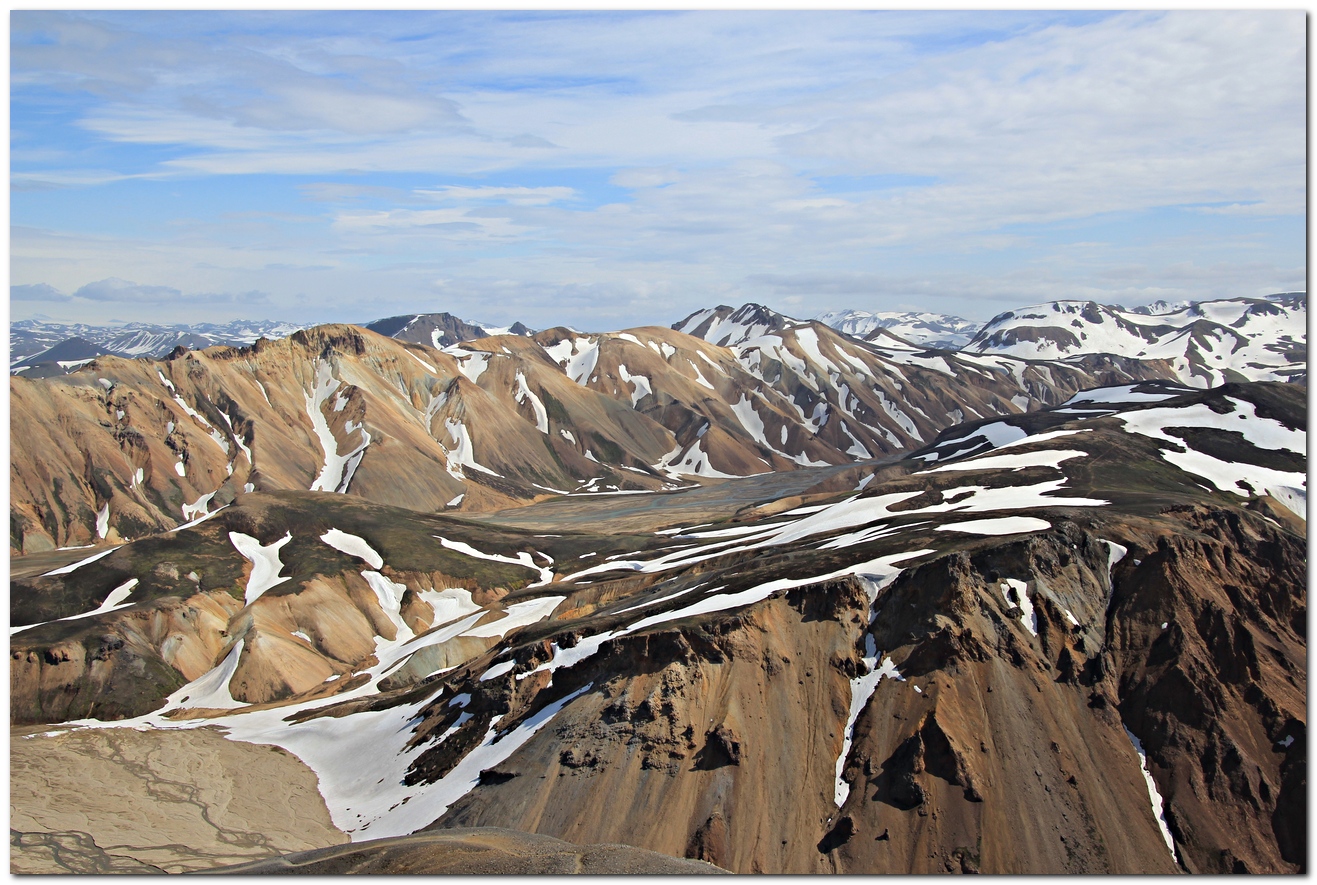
[1243,479]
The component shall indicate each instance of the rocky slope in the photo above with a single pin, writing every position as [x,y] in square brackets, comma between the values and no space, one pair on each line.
[1094,612]
[123,448]
[483,851]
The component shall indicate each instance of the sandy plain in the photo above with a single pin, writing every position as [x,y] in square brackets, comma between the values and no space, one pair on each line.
[117,800]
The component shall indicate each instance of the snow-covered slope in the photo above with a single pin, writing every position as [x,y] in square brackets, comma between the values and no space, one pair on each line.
[728,326]
[938,330]
[1206,343]
[439,330]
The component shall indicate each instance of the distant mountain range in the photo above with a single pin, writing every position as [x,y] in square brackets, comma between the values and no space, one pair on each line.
[1057,330]
[928,329]
[42,349]
[39,348]
[1207,343]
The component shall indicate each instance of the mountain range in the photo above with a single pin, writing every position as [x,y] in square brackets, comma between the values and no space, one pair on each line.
[928,329]
[124,447]
[749,593]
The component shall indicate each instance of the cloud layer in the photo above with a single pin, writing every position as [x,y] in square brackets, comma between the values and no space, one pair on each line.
[604,169]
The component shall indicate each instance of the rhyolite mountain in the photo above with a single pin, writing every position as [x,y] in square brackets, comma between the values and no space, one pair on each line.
[121,448]
[749,590]
[1071,639]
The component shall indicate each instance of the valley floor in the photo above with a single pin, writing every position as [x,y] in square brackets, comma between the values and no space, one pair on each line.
[123,801]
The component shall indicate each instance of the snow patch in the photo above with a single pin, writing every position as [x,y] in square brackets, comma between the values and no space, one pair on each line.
[640,383]
[199,520]
[1016,593]
[77,565]
[522,558]
[1158,806]
[518,614]
[265,563]
[498,670]
[1002,525]
[338,469]
[389,594]
[198,507]
[462,456]
[862,688]
[353,545]
[577,356]
[524,393]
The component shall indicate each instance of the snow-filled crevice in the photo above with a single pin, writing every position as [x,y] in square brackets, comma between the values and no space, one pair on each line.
[336,473]
[524,393]
[1154,796]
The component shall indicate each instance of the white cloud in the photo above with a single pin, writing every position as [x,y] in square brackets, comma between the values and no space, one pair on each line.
[796,155]
[516,196]
[36,292]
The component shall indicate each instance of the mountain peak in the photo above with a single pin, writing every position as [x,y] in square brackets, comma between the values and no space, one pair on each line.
[727,326]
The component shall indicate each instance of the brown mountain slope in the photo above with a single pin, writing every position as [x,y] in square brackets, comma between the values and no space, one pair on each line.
[964,663]
[483,851]
[123,448]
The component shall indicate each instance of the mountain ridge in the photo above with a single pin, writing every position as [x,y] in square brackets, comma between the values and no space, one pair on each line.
[1074,609]
[486,423]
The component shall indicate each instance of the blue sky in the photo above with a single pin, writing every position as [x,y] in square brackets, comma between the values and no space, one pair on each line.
[604,170]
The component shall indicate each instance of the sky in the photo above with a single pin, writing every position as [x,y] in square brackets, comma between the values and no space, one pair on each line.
[607,170]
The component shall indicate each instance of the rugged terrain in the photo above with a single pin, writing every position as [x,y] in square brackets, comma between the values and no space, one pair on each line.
[1207,343]
[1093,610]
[122,448]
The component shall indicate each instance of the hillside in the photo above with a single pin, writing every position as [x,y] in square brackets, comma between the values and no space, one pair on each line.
[1095,610]
[123,448]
